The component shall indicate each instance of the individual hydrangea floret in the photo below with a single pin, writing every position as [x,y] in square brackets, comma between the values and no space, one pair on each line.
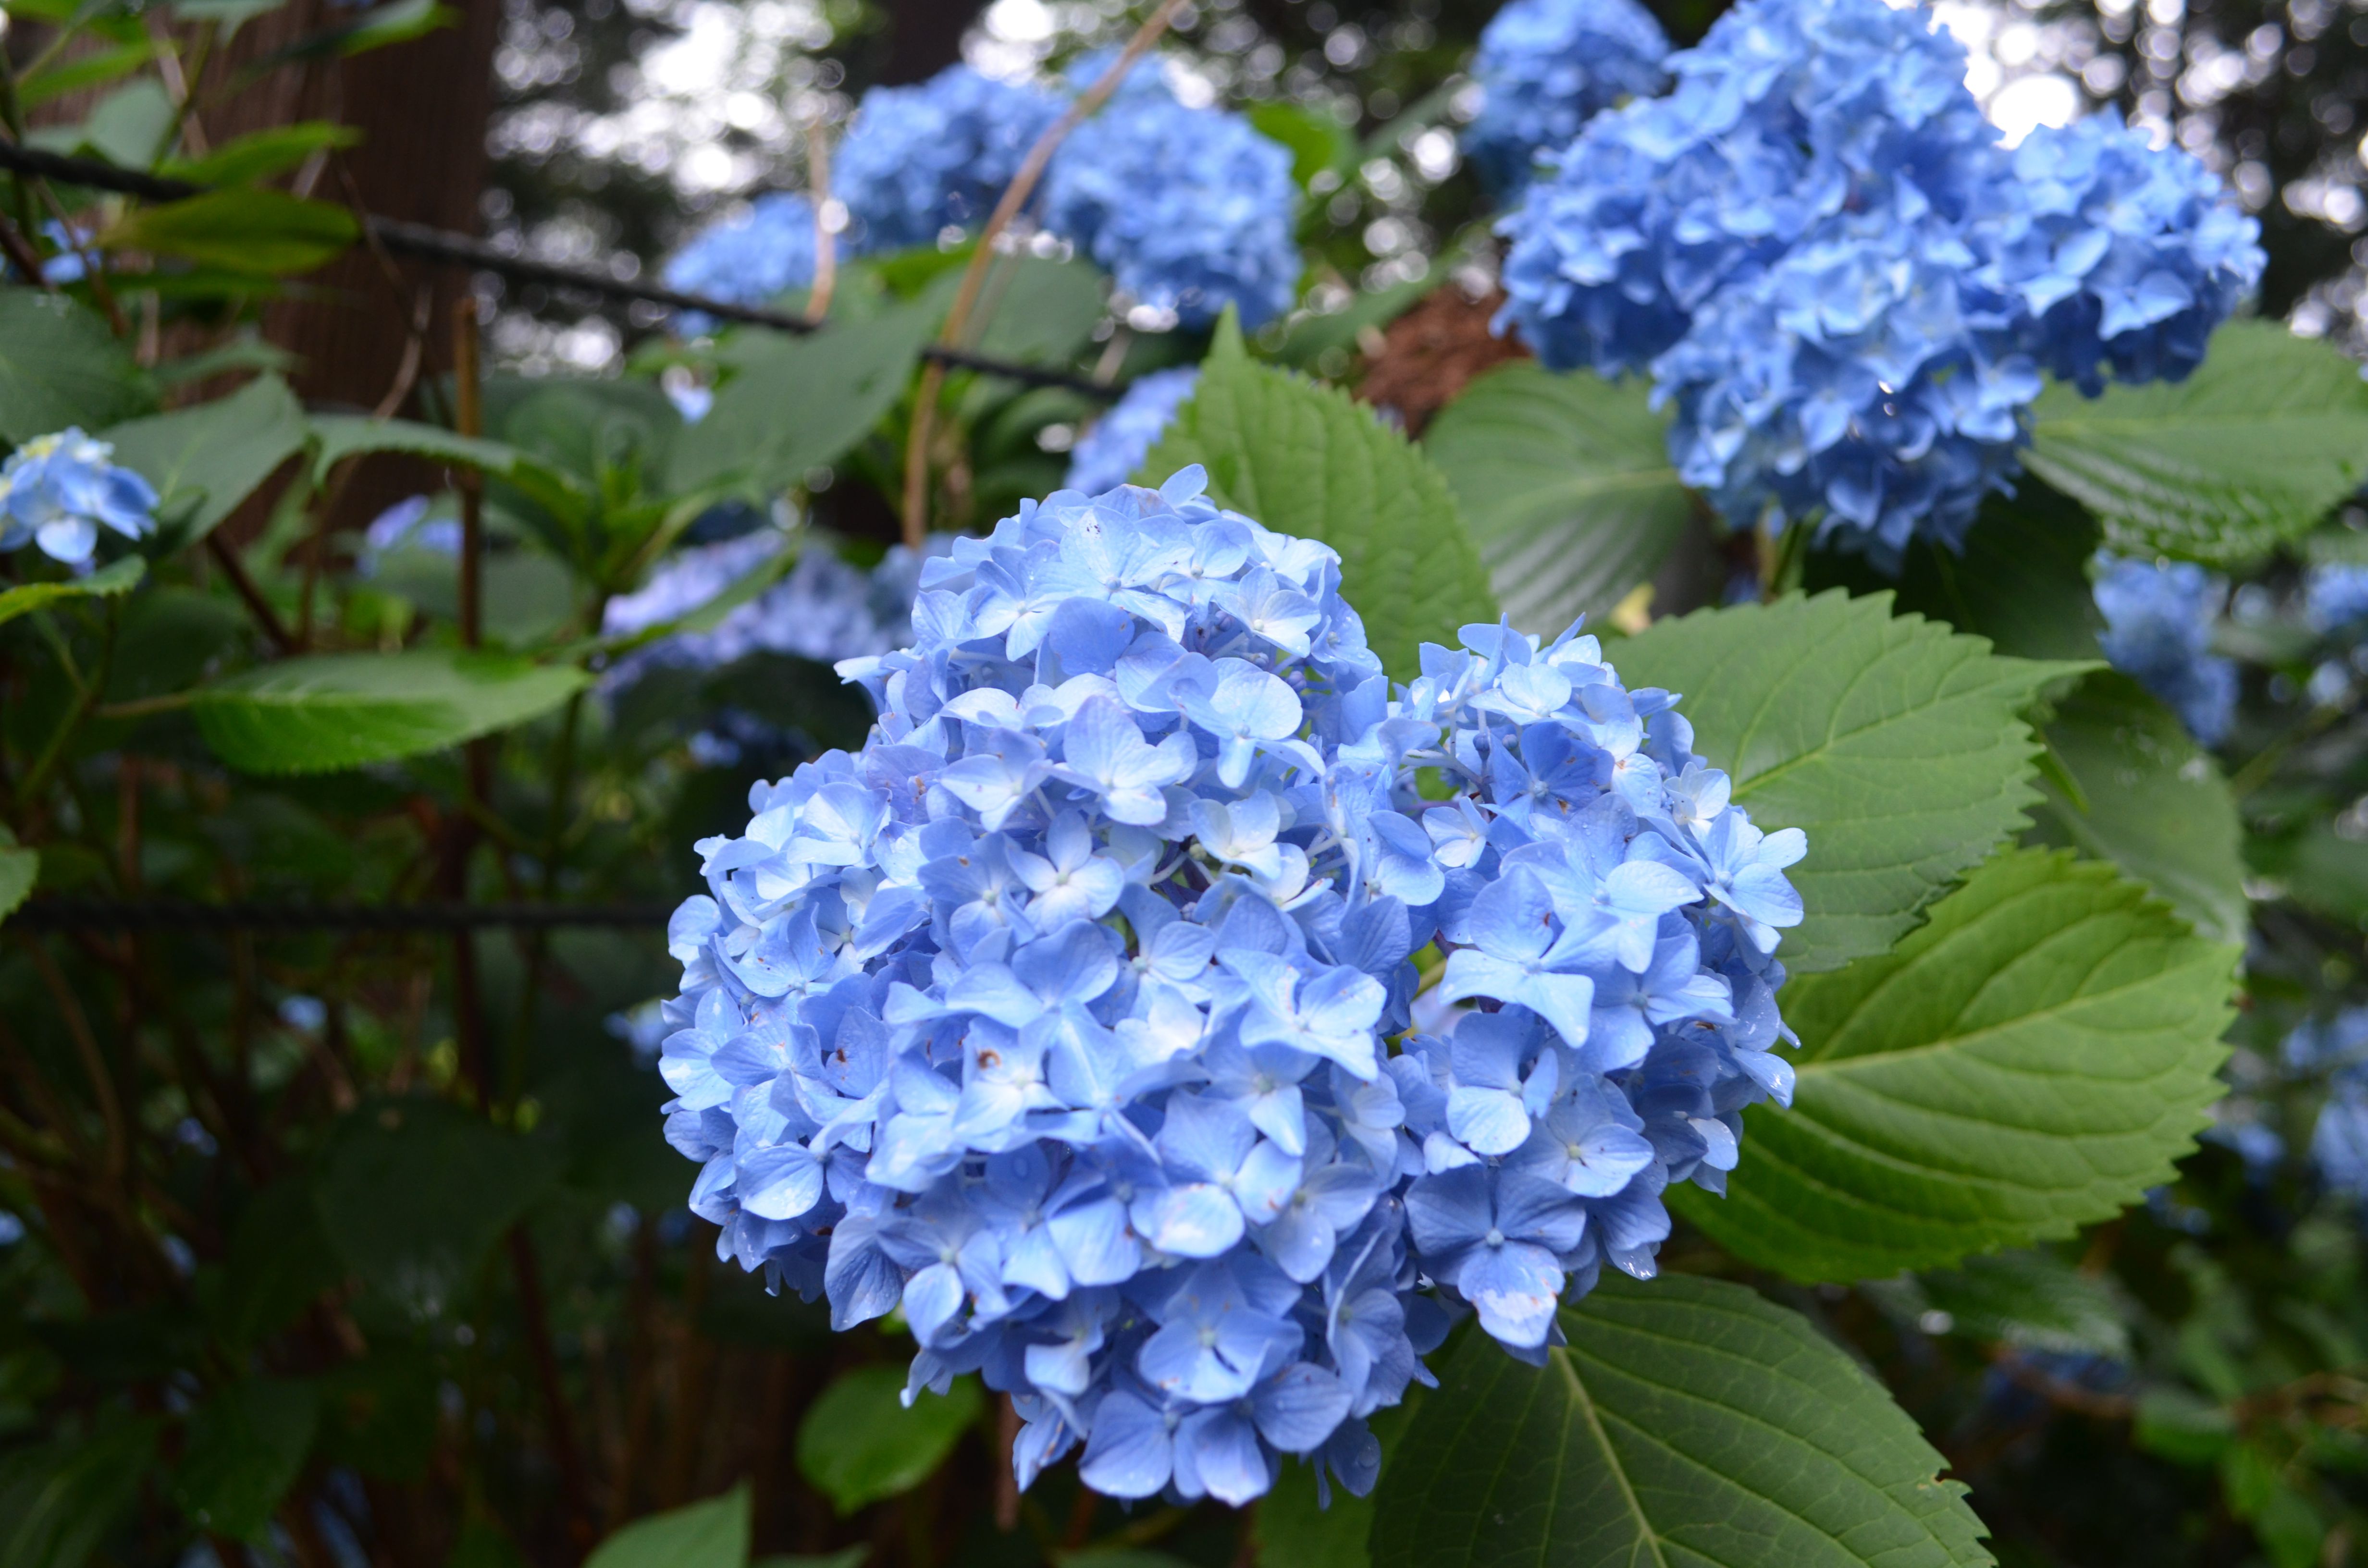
[57,490]
[748,258]
[1189,209]
[2126,255]
[2335,598]
[1545,68]
[1061,1016]
[1108,454]
[923,159]
[2159,631]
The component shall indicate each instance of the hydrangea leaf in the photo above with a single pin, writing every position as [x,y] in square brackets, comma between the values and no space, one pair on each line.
[206,458]
[794,403]
[1035,311]
[118,577]
[709,1534]
[335,710]
[245,1446]
[1689,1424]
[859,1443]
[2033,1301]
[2032,1060]
[2150,800]
[341,436]
[1304,460]
[19,868]
[1567,483]
[414,1193]
[2243,456]
[1892,740]
[242,229]
[60,1499]
[60,367]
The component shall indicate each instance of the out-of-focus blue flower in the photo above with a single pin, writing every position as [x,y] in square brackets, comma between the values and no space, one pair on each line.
[1545,68]
[923,159]
[406,525]
[1108,454]
[57,491]
[748,258]
[2335,598]
[2126,255]
[1189,209]
[2159,631]
[305,1013]
[2335,1050]
[823,610]
[1844,283]
[1056,1016]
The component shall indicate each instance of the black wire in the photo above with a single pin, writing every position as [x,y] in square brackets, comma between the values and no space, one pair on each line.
[147,914]
[461,250]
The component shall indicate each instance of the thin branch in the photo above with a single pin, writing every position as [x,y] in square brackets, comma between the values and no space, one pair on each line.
[252,596]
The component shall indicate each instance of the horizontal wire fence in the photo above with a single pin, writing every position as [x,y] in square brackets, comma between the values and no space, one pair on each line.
[147,914]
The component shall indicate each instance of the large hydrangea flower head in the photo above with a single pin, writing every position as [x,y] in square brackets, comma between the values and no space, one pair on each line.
[1189,209]
[1788,113]
[57,490]
[748,258]
[1108,454]
[923,159]
[2159,631]
[2126,255]
[1545,68]
[1060,1016]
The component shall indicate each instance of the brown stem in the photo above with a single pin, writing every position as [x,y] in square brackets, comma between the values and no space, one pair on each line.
[641,1370]
[94,1063]
[1007,1481]
[557,1417]
[23,257]
[470,420]
[1015,196]
[256,605]
[825,270]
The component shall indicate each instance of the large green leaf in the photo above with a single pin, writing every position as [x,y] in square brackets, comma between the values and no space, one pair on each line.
[117,577]
[1036,311]
[860,1443]
[59,1499]
[2150,800]
[795,403]
[60,367]
[413,1193]
[2242,457]
[1896,744]
[243,228]
[1567,485]
[2033,1301]
[2035,1057]
[244,1449]
[334,710]
[711,1534]
[1306,461]
[1688,1424]
[206,458]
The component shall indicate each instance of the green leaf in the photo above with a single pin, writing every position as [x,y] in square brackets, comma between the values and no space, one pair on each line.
[2021,581]
[117,577]
[712,1534]
[206,458]
[2243,456]
[2318,868]
[59,1499]
[60,367]
[859,1444]
[1032,311]
[795,403]
[245,1448]
[83,72]
[1567,483]
[279,1260]
[413,1193]
[1689,1424]
[528,595]
[1294,1527]
[335,710]
[260,154]
[242,229]
[2033,1058]
[2151,801]
[127,128]
[19,869]
[2033,1301]
[1317,142]
[1892,742]
[1306,460]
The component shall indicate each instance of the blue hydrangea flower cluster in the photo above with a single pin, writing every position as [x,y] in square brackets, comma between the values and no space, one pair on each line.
[1106,455]
[823,610]
[2335,598]
[1059,1016]
[1841,281]
[748,258]
[2159,631]
[2125,258]
[923,159]
[57,490]
[1545,68]
[1189,209]
[2337,1049]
